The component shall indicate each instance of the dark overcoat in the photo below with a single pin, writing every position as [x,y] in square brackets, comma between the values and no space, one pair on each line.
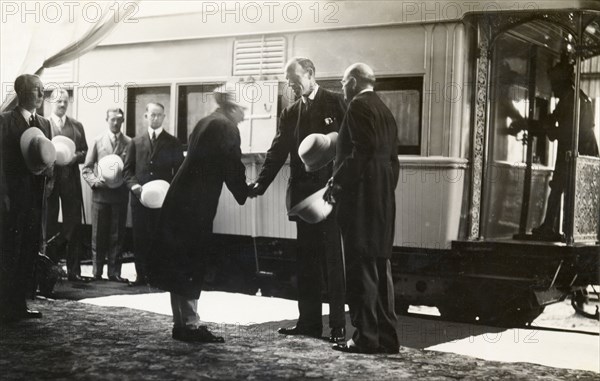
[184,235]
[21,212]
[325,116]
[366,174]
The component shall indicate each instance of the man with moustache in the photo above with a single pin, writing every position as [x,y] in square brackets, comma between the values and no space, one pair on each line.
[319,253]
[363,182]
[22,204]
[109,206]
[67,187]
[155,155]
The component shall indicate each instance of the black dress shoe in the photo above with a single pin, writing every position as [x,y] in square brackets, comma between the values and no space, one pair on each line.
[31,314]
[294,331]
[117,278]
[75,278]
[198,335]
[338,335]
[138,282]
[97,277]
[388,351]
[350,347]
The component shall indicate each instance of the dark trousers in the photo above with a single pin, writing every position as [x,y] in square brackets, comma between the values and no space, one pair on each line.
[319,268]
[108,234]
[69,239]
[370,291]
[145,223]
[20,243]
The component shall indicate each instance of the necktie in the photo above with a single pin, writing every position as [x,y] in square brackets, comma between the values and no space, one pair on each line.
[32,121]
[113,140]
[59,125]
[153,138]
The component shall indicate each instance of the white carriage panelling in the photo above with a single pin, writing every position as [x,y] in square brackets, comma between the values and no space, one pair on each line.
[428,201]
[264,216]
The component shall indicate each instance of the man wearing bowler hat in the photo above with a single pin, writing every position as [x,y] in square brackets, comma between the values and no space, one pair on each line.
[318,252]
[67,187]
[23,190]
[109,203]
[155,155]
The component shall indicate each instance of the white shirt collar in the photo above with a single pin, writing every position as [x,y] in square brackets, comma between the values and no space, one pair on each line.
[365,91]
[117,135]
[158,131]
[26,114]
[312,95]
[56,118]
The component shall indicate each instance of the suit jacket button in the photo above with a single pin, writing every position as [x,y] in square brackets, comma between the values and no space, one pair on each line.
[151,173]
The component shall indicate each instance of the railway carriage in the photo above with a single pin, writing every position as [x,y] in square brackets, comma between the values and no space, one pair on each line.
[453,74]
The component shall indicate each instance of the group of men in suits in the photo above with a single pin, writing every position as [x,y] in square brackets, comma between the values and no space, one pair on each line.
[361,184]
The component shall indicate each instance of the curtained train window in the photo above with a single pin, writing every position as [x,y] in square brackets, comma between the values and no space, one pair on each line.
[404,97]
[137,99]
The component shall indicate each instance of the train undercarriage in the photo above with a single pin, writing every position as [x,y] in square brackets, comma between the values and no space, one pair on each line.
[506,283]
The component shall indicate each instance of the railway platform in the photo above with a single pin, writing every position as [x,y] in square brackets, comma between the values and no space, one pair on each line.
[128,337]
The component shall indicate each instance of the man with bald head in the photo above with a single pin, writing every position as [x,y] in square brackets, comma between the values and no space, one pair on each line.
[318,255]
[363,182]
[22,201]
[67,187]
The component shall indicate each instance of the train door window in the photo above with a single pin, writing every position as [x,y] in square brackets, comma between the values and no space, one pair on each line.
[137,99]
[404,97]
[194,103]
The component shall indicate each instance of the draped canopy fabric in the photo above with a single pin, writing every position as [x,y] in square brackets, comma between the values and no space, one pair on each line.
[38,36]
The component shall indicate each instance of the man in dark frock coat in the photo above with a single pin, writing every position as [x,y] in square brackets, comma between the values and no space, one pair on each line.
[319,249]
[184,235]
[363,183]
[22,202]
[156,155]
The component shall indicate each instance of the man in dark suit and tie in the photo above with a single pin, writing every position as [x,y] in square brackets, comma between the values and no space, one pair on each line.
[67,187]
[109,205]
[363,183]
[22,204]
[155,155]
[319,253]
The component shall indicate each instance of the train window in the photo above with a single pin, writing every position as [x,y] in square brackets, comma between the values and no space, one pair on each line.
[404,97]
[194,103]
[137,99]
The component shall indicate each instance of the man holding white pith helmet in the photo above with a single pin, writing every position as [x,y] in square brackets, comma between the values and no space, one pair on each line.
[66,132]
[103,173]
[316,111]
[155,155]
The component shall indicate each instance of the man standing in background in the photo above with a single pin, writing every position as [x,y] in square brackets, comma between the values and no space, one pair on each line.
[23,192]
[109,206]
[155,155]
[67,188]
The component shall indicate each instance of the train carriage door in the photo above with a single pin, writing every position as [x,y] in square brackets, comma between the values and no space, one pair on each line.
[519,92]
[534,187]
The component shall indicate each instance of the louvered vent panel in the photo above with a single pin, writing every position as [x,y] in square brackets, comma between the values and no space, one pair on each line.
[260,56]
